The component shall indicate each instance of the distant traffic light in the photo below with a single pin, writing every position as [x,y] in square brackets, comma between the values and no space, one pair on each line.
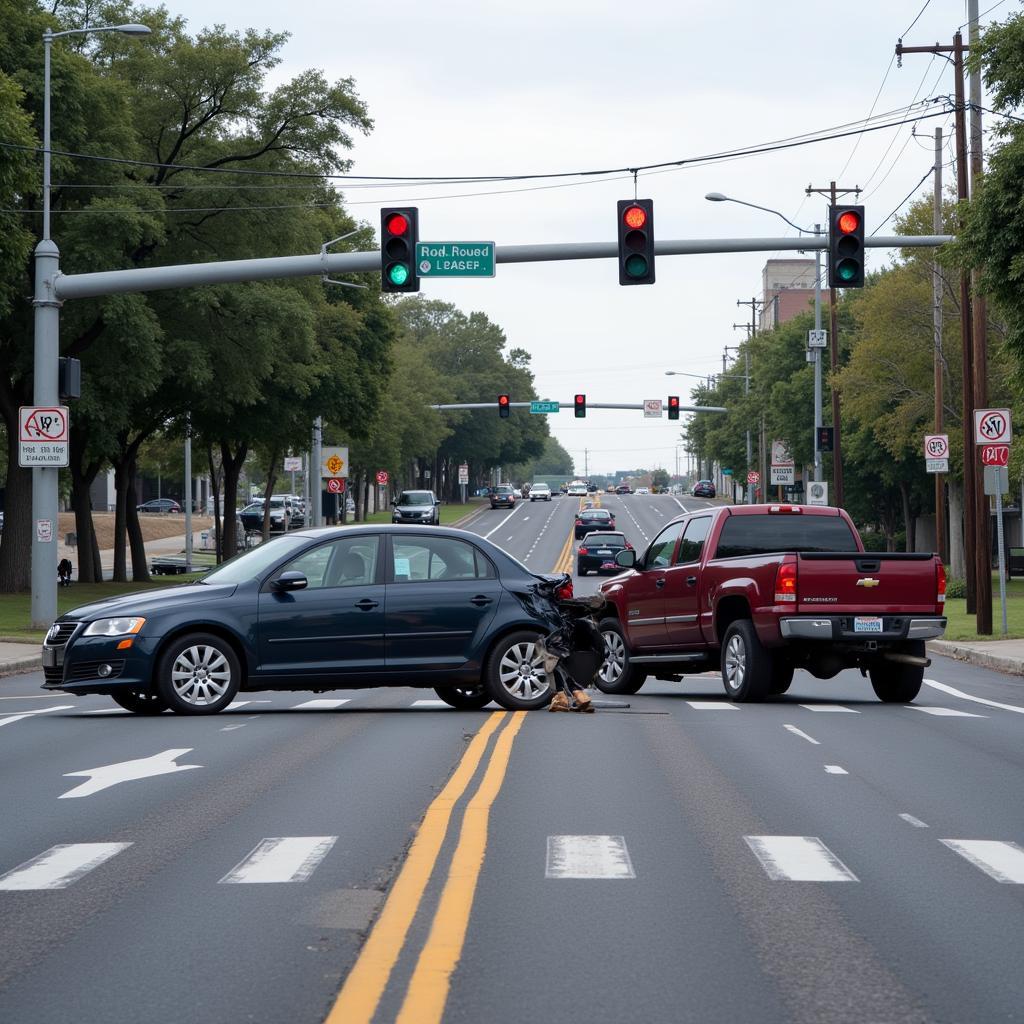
[636,241]
[846,247]
[580,406]
[824,439]
[503,406]
[399,233]
[673,407]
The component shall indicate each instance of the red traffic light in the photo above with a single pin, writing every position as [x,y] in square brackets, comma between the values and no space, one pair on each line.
[635,217]
[504,406]
[848,221]
[503,400]
[397,224]
[673,401]
[580,403]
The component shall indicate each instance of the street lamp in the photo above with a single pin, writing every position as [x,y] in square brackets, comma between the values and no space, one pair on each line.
[718,197]
[46,321]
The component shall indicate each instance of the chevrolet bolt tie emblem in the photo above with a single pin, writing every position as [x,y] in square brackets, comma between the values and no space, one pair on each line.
[868,581]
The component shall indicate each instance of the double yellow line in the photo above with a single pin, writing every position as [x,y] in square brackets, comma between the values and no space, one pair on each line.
[427,993]
[564,562]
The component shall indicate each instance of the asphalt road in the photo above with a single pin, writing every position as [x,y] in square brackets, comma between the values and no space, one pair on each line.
[816,858]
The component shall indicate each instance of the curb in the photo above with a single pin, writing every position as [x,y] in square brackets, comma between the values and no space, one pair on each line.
[13,668]
[985,659]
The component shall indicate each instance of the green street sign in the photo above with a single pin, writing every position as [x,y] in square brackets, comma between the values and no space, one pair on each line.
[726,472]
[455,259]
[544,407]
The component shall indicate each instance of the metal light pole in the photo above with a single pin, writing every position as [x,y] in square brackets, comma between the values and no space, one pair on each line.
[46,355]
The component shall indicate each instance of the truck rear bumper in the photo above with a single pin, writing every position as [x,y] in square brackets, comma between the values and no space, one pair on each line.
[841,627]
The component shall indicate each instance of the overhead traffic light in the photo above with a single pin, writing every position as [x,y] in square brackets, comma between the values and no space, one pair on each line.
[673,407]
[846,247]
[580,406]
[824,439]
[399,233]
[636,241]
[503,406]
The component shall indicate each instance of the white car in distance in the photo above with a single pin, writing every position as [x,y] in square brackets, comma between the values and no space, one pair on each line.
[540,492]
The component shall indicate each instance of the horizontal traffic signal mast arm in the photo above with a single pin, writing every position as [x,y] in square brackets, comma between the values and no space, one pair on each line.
[568,406]
[146,279]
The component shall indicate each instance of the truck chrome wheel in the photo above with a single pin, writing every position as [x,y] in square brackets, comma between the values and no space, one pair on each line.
[735,663]
[615,660]
[746,665]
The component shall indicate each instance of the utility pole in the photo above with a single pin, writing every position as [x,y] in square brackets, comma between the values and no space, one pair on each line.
[817,359]
[940,483]
[977,565]
[753,303]
[833,192]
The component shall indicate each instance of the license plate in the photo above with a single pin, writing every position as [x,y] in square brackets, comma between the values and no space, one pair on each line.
[604,551]
[867,624]
[49,657]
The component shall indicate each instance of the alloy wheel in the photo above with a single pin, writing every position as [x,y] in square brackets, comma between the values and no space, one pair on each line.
[200,675]
[615,660]
[735,663]
[521,671]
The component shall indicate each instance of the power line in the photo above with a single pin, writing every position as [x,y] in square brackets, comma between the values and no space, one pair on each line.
[918,18]
[924,178]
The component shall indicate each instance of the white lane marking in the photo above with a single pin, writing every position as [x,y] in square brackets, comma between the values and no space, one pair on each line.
[712,705]
[680,504]
[228,728]
[236,704]
[834,769]
[629,512]
[501,524]
[799,732]
[108,711]
[944,712]
[1002,861]
[126,771]
[59,866]
[526,519]
[798,859]
[320,704]
[543,530]
[588,857]
[39,711]
[37,696]
[281,859]
[911,820]
[430,704]
[977,700]
[830,707]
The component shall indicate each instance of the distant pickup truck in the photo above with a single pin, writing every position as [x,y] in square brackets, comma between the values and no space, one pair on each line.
[760,590]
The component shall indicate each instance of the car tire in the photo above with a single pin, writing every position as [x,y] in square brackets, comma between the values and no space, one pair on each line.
[198,674]
[616,674]
[465,698]
[782,677]
[898,684]
[505,678]
[746,665]
[139,702]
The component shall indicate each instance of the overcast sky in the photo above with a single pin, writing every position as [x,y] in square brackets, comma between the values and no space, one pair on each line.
[489,87]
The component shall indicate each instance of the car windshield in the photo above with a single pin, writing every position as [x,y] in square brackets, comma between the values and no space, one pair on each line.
[597,513]
[416,498]
[252,564]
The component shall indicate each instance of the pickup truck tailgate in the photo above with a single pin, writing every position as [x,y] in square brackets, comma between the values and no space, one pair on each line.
[866,583]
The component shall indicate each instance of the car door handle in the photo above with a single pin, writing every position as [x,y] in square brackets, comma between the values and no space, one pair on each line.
[691,581]
[366,604]
[660,583]
[480,601]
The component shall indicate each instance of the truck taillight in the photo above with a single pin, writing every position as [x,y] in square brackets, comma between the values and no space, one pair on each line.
[785,510]
[940,583]
[785,583]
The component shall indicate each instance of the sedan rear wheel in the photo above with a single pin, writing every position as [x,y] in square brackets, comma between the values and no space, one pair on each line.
[515,676]
[199,674]
[465,698]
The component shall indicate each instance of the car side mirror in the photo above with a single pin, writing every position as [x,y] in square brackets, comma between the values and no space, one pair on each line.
[626,559]
[291,580]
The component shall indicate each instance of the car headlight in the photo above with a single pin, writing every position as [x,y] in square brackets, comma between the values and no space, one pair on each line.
[115,627]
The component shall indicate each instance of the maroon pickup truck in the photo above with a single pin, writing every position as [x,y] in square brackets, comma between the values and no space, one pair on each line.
[760,590]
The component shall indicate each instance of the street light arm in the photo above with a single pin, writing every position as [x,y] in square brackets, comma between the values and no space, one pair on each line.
[719,198]
[128,30]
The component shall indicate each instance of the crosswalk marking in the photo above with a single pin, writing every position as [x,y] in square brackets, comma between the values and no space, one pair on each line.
[712,705]
[588,857]
[1003,861]
[7,719]
[798,859]
[281,859]
[944,712]
[59,866]
[830,707]
[321,704]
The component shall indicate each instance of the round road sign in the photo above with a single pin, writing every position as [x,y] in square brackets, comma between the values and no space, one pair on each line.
[335,485]
[995,454]
[753,477]
[382,476]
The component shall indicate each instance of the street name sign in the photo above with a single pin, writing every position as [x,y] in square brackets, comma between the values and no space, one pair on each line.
[333,462]
[784,475]
[544,407]
[43,436]
[936,465]
[652,408]
[995,454]
[455,259]
[992,426]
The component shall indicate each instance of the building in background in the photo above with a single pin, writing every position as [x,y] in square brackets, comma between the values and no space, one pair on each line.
[787,290]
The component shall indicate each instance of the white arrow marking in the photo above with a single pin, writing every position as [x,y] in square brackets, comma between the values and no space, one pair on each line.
[142,768]
[39,711]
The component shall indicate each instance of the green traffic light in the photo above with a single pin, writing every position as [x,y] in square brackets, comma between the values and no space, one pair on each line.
[636,266]
[847,270]
[398,273]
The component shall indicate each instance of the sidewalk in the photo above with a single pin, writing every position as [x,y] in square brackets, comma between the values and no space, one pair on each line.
[16,658]
[1001,655]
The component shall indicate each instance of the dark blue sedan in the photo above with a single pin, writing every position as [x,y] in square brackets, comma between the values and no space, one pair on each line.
[325,609]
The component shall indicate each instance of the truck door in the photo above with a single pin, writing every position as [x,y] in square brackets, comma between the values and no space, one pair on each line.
[645,608]
[682,612]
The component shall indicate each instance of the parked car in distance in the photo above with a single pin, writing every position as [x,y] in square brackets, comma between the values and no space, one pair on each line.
[159,505]
[540,492]
[252,516]
[610,489]
[419,507]
[623,489]
[503,496]
[435,607]
[643,490]
[597,552]
[703,489]
[591,519]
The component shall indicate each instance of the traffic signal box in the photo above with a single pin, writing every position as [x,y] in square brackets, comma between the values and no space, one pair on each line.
[673,407]
[846,247]
[580,406]
[399,233]
[636,241]
[824,439]
[503,406]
